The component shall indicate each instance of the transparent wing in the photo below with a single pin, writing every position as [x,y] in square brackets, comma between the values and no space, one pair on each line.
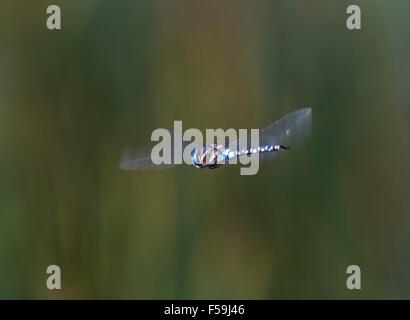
[139,158]
[291,130]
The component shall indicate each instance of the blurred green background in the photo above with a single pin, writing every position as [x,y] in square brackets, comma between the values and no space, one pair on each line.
[70,100]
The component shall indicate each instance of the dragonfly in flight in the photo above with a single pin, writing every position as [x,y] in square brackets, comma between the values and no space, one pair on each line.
[279,136]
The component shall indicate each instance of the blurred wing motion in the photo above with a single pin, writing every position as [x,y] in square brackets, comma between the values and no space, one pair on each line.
[140,158]
[291,130]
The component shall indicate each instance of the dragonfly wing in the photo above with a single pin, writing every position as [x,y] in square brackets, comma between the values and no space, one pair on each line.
[291,130]
[141,158]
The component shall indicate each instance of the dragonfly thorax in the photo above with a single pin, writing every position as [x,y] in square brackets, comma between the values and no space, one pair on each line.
[211,156]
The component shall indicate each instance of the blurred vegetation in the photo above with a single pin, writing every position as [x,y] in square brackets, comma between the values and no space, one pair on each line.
[70,100]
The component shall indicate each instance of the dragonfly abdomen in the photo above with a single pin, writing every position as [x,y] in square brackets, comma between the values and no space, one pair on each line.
[262,149]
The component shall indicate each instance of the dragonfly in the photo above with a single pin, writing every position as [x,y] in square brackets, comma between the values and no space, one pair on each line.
[278,137]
